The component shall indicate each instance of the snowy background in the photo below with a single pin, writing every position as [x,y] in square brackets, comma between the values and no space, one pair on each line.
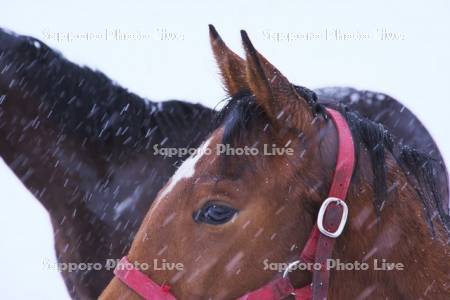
[167,56]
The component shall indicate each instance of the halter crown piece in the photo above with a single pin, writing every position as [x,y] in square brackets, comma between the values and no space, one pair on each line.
[331,220]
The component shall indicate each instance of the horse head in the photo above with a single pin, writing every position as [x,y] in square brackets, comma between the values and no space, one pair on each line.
[250,195]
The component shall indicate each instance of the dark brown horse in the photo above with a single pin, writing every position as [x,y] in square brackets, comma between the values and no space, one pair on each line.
[223,217]
[83,146]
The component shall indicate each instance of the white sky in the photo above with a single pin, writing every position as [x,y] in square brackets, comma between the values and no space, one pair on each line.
[415,69]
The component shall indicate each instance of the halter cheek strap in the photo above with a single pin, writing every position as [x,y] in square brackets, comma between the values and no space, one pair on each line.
[333,212]
[318,249]
[330,223]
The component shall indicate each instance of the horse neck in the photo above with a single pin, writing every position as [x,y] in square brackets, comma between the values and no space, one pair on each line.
[399,234]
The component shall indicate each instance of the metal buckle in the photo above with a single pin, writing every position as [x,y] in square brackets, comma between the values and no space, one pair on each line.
[322,210]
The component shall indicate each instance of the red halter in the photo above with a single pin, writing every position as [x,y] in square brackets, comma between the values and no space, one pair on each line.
[318,249]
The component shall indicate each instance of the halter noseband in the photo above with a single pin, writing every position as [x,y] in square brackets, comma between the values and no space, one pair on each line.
[331,220]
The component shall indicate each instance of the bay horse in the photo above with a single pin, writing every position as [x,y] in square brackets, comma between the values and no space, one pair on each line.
[223,216]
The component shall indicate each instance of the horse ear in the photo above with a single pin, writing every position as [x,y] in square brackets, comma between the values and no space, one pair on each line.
[232,67]
[274,93]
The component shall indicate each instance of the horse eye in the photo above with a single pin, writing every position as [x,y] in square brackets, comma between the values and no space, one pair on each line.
[214,214]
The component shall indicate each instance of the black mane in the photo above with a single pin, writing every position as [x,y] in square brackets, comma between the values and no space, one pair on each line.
[421,168]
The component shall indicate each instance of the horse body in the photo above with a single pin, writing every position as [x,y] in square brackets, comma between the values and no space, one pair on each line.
[83,146]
